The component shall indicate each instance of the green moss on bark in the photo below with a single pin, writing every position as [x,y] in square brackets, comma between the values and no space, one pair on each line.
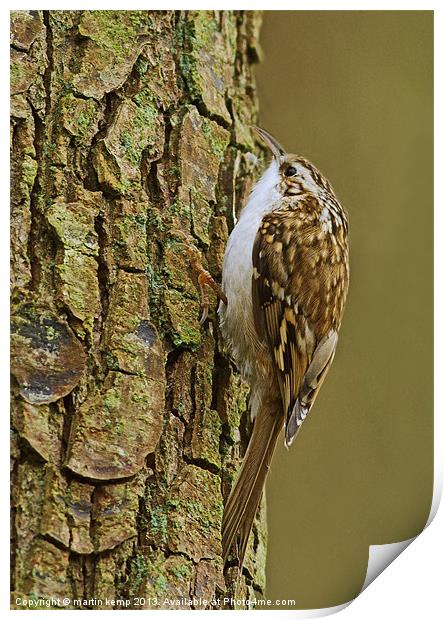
[125,426]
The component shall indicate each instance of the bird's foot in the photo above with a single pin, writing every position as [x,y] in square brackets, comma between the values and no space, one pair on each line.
[204,278]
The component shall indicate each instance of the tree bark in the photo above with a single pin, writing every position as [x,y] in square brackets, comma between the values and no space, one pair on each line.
[127,128]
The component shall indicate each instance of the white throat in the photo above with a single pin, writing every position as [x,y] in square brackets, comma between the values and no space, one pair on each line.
[264,196]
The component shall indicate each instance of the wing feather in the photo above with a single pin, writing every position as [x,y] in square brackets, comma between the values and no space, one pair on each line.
[276,318]
[293,291]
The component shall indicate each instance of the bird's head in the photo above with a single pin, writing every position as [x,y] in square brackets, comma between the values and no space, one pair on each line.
[296,174]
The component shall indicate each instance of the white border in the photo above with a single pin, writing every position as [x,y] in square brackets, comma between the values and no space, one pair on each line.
[314,5]
[413,586]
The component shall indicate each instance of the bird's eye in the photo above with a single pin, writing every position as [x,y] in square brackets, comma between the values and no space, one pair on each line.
[290,171]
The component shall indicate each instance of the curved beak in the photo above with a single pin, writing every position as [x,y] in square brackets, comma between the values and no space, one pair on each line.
[272,144]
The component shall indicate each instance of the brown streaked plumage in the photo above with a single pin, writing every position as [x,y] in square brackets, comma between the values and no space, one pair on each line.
[285,278]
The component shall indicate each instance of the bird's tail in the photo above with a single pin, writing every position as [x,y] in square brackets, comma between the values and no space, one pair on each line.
[246,493]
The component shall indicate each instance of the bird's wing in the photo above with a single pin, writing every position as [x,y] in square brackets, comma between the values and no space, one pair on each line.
[287,310]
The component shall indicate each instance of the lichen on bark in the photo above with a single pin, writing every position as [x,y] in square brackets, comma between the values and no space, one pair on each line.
[129,129]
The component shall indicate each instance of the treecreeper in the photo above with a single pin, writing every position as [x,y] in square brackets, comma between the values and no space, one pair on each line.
[284,285]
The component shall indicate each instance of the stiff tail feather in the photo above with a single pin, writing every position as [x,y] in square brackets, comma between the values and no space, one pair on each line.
[243,502]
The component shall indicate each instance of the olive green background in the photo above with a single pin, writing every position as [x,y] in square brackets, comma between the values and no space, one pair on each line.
[353,92]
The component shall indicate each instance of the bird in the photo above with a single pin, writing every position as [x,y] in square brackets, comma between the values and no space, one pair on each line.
[285,279]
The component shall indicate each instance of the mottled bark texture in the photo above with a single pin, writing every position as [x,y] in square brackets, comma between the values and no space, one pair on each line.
[127,127]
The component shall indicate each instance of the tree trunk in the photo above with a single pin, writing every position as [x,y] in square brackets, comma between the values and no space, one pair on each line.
[127,128]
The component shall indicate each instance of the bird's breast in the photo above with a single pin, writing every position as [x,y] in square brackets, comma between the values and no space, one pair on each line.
[236,319]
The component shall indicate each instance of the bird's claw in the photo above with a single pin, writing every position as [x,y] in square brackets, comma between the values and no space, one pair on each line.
[204,314]
[204,278]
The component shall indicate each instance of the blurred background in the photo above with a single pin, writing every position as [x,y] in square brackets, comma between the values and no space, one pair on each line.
[353,92]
